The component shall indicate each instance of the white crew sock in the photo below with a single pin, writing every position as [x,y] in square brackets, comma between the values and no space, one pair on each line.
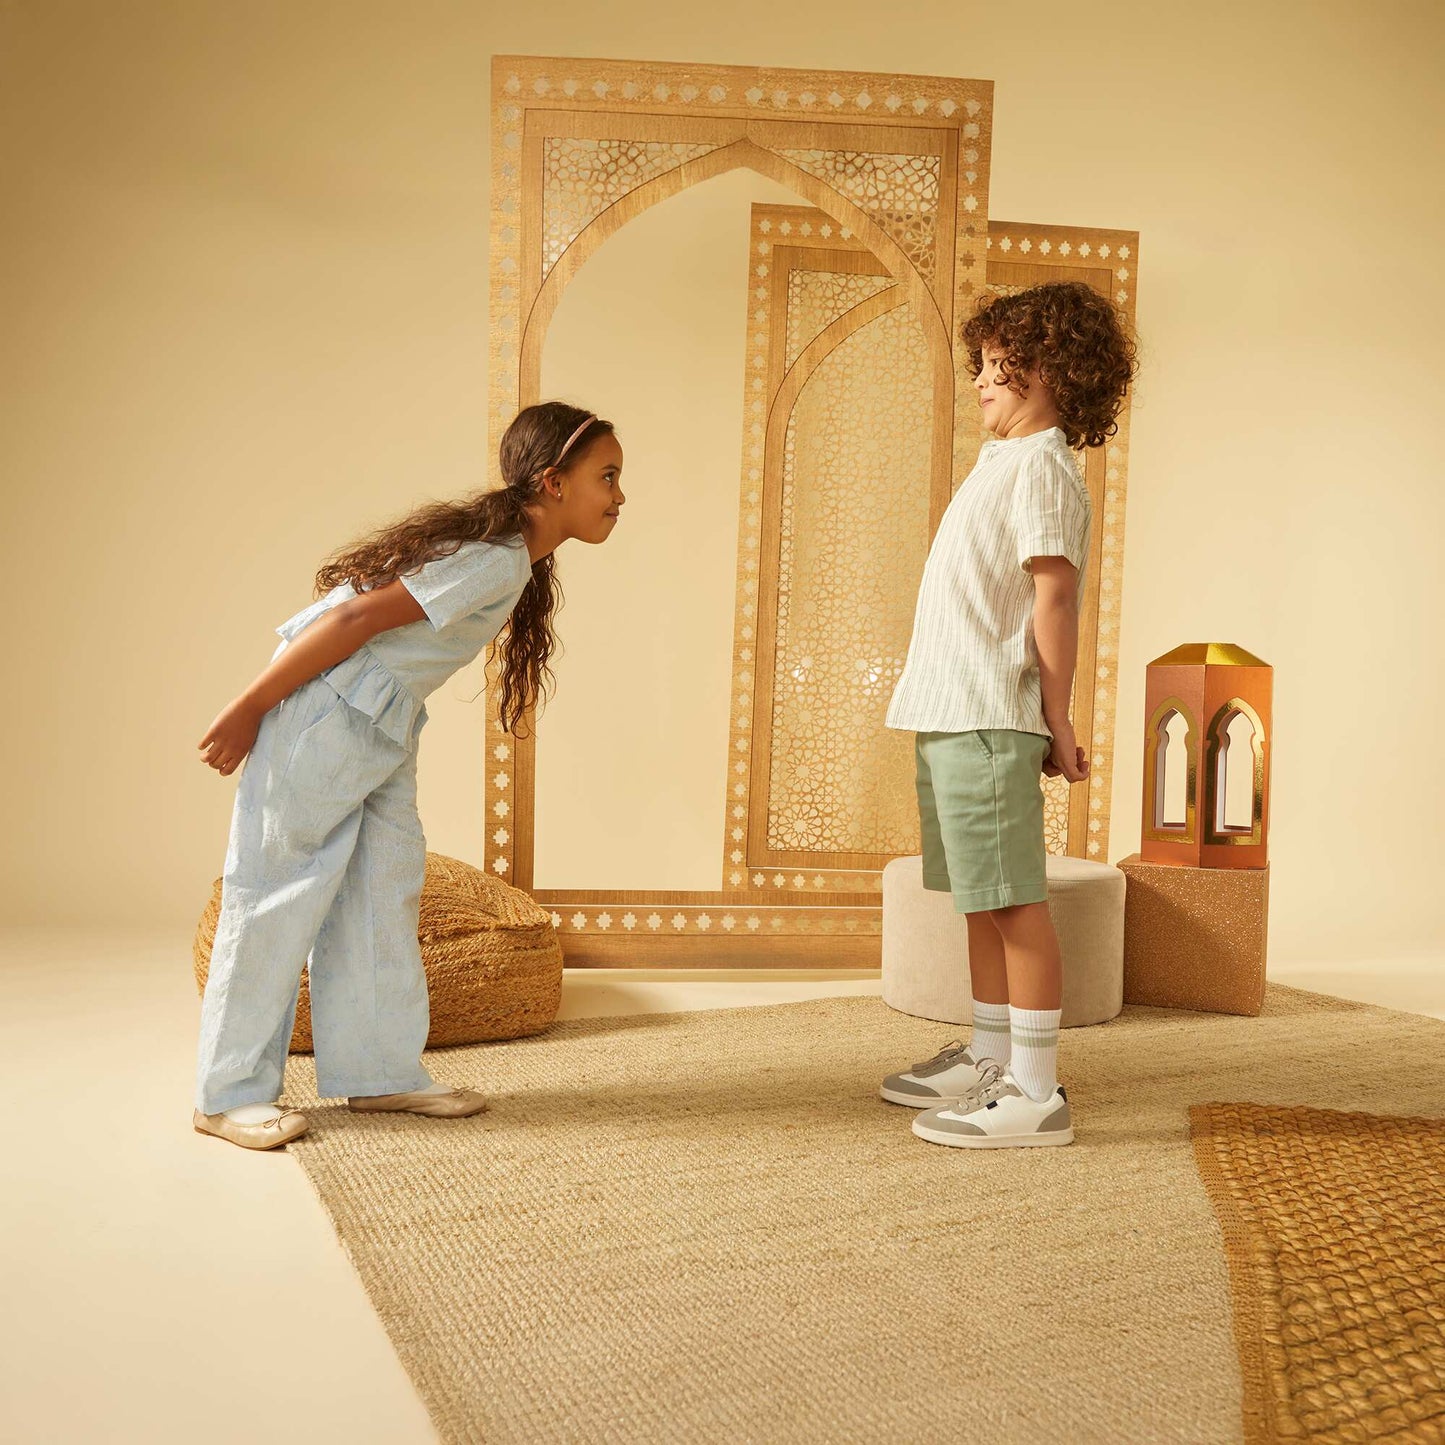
[1035,1039]
[990,1038]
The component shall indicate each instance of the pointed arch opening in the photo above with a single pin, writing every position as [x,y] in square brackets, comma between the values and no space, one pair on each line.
[1171,773]
[1234,783]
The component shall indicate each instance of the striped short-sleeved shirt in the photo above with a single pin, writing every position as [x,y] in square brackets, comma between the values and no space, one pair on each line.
[972,662]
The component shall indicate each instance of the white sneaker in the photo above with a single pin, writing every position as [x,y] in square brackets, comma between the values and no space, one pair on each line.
[998,1115]
[950,1073]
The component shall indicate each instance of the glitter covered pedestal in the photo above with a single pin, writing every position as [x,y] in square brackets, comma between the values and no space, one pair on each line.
[1195,938]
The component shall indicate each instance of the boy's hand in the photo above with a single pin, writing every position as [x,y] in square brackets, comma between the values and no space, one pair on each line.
[1065,758]
[230,737]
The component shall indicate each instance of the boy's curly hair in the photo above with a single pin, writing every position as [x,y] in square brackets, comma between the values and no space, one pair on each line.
[1076,341]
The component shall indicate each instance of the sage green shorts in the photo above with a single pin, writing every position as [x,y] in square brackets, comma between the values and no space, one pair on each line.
[981,804]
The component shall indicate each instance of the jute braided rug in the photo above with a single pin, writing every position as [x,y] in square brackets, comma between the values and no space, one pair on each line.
[708,1227]
[1334,1226]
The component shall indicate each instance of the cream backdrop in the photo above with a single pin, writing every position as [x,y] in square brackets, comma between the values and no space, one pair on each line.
[244,291]
[651,335]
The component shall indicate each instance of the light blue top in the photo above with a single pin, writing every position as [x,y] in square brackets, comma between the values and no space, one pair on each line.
[467,597]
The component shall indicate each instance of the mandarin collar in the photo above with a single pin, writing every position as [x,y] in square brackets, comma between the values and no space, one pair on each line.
[1036,436]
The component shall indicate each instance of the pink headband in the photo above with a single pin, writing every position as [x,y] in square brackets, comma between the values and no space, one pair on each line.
[567,447]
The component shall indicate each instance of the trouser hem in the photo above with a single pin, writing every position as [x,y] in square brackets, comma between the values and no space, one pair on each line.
[373,1087]
[234,1099]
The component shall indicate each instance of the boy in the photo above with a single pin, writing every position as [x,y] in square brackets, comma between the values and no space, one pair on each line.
[987,688]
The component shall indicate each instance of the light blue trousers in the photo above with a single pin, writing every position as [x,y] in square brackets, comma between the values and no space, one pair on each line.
[326,857]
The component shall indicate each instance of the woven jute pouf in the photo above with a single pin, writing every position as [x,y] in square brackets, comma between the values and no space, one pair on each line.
[493,960]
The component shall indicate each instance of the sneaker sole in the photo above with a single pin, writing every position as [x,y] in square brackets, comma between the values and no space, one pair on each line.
[912,1101]
[1052,1139]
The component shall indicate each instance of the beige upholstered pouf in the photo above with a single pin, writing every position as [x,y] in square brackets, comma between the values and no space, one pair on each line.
[925,943]
[493,960]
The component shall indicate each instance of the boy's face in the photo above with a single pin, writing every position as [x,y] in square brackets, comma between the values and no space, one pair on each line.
[1006,413]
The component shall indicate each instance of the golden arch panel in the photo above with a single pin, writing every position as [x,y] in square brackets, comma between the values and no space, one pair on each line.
[874,271]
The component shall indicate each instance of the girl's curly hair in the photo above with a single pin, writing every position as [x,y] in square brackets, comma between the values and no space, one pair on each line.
[1074,339]
[530,446]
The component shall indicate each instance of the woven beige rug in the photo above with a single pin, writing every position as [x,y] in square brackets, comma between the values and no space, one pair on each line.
[1334,1227]
[708,1227]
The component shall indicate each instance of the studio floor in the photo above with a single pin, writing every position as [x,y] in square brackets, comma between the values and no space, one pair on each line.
[165,1287]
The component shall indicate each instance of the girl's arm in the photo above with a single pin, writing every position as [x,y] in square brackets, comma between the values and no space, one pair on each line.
[333,637]
[1056,635]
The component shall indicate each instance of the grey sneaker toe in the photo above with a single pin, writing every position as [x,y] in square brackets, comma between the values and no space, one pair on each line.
[900,1089]
[951,1072]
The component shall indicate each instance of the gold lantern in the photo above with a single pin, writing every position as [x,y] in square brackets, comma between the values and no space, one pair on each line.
[1208,706]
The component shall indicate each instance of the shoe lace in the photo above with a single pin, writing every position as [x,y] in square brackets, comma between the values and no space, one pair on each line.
[991,1084]
[949,1054]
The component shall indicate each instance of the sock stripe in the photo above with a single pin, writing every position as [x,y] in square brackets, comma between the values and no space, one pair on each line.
[991,1038]
[1034,1045]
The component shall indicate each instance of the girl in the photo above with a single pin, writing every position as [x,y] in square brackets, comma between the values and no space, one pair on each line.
[326,850]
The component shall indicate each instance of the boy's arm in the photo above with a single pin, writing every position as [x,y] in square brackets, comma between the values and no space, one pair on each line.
[1056,636]
[333,637]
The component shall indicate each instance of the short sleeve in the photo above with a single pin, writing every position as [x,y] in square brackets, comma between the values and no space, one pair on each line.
[473,577]
[1050,510]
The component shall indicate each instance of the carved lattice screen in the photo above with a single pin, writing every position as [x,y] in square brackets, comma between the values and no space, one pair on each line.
[852,481]
[850,375]
[813,266]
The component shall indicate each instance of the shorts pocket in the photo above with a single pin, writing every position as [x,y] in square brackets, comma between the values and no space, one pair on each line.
[985,743]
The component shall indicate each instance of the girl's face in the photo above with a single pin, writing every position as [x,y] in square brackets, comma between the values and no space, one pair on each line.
[1005,412]
[591,491]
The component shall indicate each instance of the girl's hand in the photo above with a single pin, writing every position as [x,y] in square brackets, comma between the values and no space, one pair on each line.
[230,737]
[1065,758]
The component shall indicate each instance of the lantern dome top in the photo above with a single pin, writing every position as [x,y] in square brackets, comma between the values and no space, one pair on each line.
[1209,654]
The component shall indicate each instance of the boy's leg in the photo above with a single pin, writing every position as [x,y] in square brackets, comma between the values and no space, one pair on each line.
[955,1068]
[989,816]
[988,970]
[1023,1106]
[1001,875]
[987,964]
[1035,984]
[1031,954]
[988,977]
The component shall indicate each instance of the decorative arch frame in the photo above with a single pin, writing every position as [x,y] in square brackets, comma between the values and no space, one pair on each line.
[740,154]
[1019,254]
[901,162]
[841,849]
